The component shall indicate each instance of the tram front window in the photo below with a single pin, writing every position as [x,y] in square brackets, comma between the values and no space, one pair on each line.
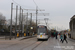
[41,31]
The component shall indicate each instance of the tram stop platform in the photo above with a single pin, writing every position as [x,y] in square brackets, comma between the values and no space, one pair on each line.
[2,39]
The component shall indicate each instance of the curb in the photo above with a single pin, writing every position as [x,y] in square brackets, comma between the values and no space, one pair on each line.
[27,37]
[18,38]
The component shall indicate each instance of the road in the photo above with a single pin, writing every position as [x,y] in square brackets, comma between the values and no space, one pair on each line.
[33,44]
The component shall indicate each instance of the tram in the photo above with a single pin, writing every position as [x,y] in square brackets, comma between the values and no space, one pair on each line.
[42,32]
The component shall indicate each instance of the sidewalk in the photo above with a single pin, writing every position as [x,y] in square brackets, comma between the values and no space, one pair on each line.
[17,39]
[71,39]
[2,37]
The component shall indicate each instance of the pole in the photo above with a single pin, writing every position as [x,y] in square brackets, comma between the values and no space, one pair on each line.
[36,17]
[27,24]
[11,20]
[16,22]
[20,20]
[22,24]
[31,24]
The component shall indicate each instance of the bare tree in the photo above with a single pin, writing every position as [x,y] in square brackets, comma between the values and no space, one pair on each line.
[9,20]
[2,22]
[2,17]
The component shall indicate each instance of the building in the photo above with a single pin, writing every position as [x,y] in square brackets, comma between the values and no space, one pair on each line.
[72,27]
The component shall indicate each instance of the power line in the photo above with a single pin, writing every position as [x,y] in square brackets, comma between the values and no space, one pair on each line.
[35,3]
[38,7]
[18,4]
[23,7]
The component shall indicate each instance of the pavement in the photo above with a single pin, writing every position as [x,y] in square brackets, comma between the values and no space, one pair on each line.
[22,43]
[73,40]
[2,39]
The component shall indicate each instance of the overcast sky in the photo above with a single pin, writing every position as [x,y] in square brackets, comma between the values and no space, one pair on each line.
[60,10]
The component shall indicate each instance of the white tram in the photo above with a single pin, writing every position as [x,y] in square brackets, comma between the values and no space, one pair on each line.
[42,32]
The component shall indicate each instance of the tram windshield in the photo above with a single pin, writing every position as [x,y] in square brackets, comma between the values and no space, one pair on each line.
[42,31]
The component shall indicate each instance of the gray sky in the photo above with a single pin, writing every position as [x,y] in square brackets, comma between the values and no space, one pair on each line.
[60,10]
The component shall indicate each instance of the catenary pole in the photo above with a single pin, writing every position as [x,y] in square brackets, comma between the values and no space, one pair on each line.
[36,17]
[11,20]
[16,22]
[31,24]
[27,24]
[20,21]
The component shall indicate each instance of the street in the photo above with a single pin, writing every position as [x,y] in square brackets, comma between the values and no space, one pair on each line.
[27,24]
[33,44]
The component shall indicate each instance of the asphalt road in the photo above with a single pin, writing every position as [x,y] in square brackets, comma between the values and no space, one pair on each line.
[33,44]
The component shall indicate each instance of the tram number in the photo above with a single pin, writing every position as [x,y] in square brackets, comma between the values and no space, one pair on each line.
[40,35]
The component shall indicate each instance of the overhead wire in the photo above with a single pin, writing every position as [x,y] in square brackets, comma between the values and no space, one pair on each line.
[35,3]
[18,4]
[23,7]
[38,7]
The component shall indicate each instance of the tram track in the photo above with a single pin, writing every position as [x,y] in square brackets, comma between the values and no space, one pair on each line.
[37,45]
[32,45]
[25,44]
[28,46]
[17,43]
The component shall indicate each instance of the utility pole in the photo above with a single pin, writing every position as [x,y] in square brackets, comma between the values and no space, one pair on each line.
[27,24]
[11,20]
[16,22]
[36,17]
[20,21]
[31,24]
